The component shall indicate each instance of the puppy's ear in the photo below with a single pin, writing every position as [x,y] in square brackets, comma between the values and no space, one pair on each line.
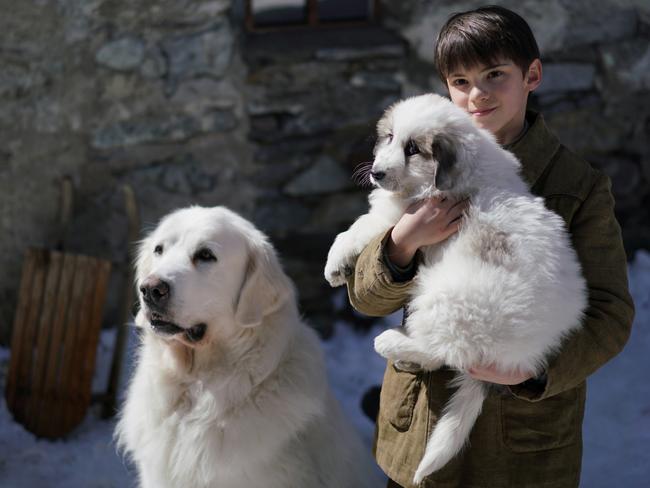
[265,287]
[444,151]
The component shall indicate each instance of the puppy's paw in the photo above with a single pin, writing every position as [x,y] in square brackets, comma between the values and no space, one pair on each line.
[337,275]
[340,261]
[387,344]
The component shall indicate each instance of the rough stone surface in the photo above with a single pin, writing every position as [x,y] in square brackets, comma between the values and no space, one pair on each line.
[122,54]
[205,53]
[567,77]
[174,98]
[324,176]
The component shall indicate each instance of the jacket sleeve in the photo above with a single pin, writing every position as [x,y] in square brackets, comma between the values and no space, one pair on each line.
[607,323]
[371,288]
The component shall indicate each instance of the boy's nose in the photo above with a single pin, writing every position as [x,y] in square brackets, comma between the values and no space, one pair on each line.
[478,93]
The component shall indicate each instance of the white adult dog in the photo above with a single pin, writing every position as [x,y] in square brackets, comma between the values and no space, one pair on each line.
[230,389]
[505,290]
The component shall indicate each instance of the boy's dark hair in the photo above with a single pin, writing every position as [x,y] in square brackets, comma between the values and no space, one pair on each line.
[483,36]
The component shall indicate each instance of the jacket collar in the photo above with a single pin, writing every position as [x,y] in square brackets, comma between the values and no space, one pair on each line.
[535,149]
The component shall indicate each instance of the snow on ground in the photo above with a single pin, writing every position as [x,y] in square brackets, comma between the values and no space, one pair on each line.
[616,427]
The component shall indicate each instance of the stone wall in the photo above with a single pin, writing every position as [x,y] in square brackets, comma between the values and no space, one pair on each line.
[110,92]
[176,99]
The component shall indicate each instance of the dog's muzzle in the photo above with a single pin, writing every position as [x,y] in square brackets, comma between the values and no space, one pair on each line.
[162,327]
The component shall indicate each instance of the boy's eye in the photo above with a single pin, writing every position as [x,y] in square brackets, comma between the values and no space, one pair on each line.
[459,82]
[495,74]
[411,148]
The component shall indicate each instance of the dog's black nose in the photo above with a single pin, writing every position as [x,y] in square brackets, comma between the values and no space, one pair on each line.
[155,291]
[378,175]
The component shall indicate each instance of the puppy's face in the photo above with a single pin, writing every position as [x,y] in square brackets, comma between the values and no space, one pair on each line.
[419,152]
[193,273]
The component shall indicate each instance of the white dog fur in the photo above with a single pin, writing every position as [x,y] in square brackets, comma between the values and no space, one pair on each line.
[230,389]
[504,291]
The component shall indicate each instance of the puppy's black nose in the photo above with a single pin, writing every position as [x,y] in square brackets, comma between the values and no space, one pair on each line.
[155,291]
[378,175]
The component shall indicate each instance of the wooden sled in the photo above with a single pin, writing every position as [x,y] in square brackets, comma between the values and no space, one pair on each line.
[55,336]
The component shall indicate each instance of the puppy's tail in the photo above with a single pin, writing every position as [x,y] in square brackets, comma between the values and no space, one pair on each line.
[452,430]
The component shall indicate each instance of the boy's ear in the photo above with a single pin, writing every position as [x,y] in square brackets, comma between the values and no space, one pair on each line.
[534,75]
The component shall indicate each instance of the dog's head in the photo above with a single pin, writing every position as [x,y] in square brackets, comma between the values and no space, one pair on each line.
[206,272]
[425,146]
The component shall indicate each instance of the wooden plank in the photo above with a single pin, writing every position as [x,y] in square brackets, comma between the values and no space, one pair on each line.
[75,409]
[26,345]
[20,321]
[101,277]
[36,402]
[55,351]
[66,371]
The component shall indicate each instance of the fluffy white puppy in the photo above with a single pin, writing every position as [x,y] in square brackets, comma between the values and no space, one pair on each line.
[230,389]
[504,290]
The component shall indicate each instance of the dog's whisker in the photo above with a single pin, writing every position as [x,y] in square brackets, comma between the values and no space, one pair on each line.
[361,174]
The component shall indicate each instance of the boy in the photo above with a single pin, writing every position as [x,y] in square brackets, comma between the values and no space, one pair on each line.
[530,436]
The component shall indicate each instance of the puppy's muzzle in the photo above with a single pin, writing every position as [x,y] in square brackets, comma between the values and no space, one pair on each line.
[155,292]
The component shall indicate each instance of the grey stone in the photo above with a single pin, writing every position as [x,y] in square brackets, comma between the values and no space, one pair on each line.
[624,173]
[154,64]
[186,180]
[185,12]
[376,81]
[170,128]
[204,94]
[645,167]
[337,212]
[324,176]
[122,54]
[206,53]
[584,133]
[352,54]
[564,77]
[629,63]
[591,22]
[257,108]
[278,217]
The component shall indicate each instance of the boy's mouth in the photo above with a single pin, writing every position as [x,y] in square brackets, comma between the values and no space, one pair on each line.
[482,112]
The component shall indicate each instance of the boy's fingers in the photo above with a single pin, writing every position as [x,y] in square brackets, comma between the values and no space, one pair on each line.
[454,224]
[456,214]
[459,204]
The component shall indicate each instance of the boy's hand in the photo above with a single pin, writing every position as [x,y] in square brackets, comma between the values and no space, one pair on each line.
[492,375]
[424,223]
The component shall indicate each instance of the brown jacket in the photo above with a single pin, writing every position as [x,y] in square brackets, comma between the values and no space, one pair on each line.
[530,436]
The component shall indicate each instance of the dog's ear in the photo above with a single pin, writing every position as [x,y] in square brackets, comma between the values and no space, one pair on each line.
[444,151]
[265,287]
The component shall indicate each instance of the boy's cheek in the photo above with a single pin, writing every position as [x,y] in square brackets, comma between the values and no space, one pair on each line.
[458,98]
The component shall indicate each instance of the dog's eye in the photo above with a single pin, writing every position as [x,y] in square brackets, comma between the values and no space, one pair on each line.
[411,148]
[204,254]
[158,249]
[390,138]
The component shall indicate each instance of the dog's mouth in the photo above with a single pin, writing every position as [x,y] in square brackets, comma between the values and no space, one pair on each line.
[166,328]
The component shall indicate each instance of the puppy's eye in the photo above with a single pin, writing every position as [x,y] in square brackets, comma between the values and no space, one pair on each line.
[158,250]
[204,254]
[389,137]
[411,149]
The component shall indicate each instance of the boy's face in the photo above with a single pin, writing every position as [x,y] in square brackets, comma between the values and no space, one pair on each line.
[495,95]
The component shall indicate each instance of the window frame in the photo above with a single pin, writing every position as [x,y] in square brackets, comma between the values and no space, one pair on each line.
[313,22]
